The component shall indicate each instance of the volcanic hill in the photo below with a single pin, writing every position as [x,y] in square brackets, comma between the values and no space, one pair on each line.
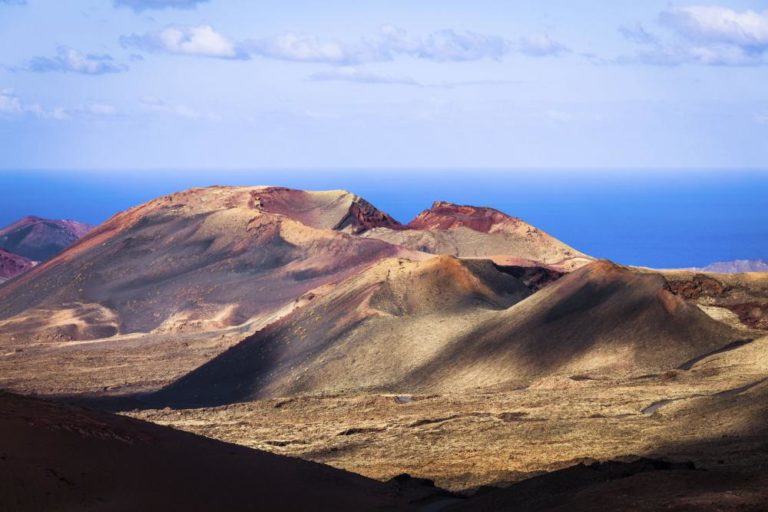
[477,232]
[446,325]
[12,265]
[466,347]
[195,261]
[40,239]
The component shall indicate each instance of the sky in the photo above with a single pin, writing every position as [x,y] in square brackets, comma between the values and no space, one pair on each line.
[374,84]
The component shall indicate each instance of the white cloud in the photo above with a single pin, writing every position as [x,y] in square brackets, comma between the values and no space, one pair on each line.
[200,40]
[711,24]
[705,34]
[308,48]
[12,105]
[443,45]
[440,46]
[541,45]
[761,118]
[69,60]
[675,55]
[390,42]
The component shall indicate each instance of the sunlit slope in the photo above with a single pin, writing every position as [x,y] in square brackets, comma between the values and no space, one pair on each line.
[195,260]
[444,325]
[469,231]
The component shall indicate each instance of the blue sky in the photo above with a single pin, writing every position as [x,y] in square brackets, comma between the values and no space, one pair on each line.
[196,84]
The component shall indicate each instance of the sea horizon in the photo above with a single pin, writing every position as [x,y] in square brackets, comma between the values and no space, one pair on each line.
[643,217]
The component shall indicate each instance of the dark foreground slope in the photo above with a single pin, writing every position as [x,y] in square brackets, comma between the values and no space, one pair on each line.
[643,485]
[445,325]
[55,457]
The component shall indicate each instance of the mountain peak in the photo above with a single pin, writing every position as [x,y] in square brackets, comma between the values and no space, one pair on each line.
[447,215]
[40,239]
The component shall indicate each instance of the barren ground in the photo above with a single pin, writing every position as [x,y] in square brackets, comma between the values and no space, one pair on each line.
[714,418]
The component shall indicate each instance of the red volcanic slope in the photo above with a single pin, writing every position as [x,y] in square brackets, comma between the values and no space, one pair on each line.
[41,239]
[445,215]
[359,214]
[219,255]
[12,265]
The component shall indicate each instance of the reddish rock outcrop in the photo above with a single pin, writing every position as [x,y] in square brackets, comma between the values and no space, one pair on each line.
[445,215]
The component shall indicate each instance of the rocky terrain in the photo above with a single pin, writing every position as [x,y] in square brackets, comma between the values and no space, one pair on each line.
[465,347]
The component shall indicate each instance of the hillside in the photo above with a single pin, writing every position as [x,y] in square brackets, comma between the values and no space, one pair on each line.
[444,325]
[57,457]
[195,261]
[41,239]
[476,232]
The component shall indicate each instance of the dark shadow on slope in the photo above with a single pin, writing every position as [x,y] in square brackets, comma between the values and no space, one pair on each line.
[58,457]
[731,346]
[601,307]
[307,336]
[731,462]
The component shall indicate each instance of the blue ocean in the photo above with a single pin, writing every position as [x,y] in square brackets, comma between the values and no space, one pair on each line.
[656,218]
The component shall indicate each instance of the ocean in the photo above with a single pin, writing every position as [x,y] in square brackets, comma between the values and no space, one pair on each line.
[656,218]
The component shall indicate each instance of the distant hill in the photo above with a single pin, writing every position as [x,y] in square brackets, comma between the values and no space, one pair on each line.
[41,239]
[218,257]
[736,266]
[12,265]
[197,260]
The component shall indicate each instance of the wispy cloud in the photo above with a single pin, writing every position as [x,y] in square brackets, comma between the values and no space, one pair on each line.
[160,106]
[13,2]
[711,24]
[357,75]
[308,48]
[11,105]
[637,33]
[703,34]
[145,5]
[541,45]
[389,43]
[443,46]
[69,60]
[200,40]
